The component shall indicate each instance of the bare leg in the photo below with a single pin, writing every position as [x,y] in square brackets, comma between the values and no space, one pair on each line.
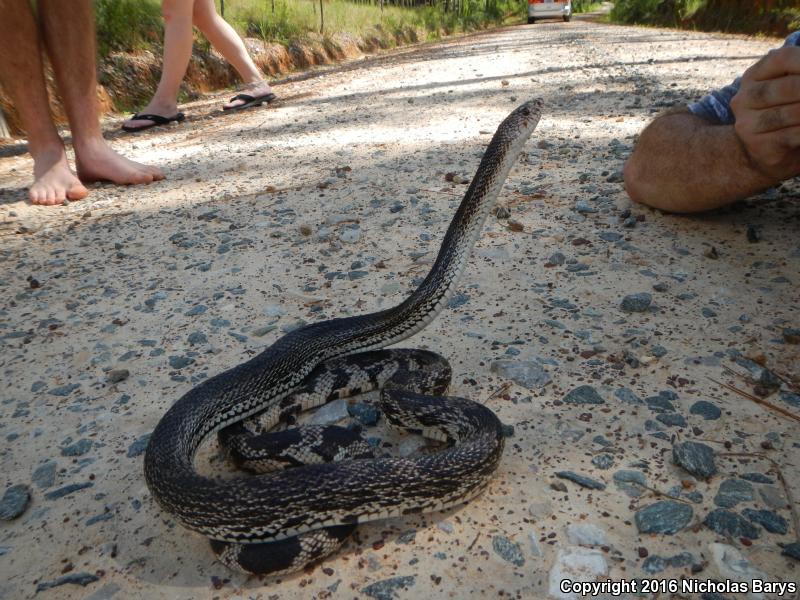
[177,52]
[68,31]
[22,74]
[225,39]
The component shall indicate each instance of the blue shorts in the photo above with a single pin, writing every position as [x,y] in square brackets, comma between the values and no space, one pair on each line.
[716,106]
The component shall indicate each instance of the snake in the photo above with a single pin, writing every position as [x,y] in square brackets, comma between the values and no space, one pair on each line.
[299,509]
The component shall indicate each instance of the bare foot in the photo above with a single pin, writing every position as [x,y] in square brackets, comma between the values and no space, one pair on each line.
[54,180]
[256,89]
[96,161]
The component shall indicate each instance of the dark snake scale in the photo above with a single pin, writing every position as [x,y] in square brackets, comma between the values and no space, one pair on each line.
[315,484]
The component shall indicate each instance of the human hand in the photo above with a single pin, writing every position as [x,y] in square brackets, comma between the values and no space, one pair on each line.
[767,110]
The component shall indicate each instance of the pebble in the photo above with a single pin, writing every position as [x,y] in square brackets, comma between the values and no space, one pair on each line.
[603,461]
[655,563]
[196,338]
[264,330]
[508,550]
[727,523]
[196,310]
[330,413]
[528,374]
[366,414]
[581,480]
[179,362]
[138,446]
[628,396]
[82,579]
[791,335]
[79,448]
[459,299]
[586,534]
[672,419]
[636,302]
[773,497]
[118,375]
[64,390]
[707,410]
[45,474]
[756,478]
[666,517]
[733,566]
[630,482]
[584,394]
[792,550]
[67,490]
[772,522]
[350,235]
[696,458]
[15,501]
[387,589]
[575,564]
[732,492]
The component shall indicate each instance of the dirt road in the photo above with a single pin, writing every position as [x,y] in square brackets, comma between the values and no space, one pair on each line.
[333,202]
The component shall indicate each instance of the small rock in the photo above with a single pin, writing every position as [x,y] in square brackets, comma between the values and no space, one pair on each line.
[138,446]
[330,413]
[366,414]
[197,338]
[672,419]
[528,374]
[82,579]
[586,534]
[772,522]
[14,502]
[666,517]
[117,375]
[387,589]
[79,448]
[733,566]
[707,410]
[655,564]
[732,492]
[728,523]
[350,235]
[575,564]
[791,335]
[696,458]
[508,550]
[179,362]
[792,550]
[262,331]
[581,480]
[45,474]
[196,310]
[584,394]
[627,396]
[636,302]
[603,461]
[630,482]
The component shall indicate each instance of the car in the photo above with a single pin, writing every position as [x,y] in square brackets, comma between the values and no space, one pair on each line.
[544,9]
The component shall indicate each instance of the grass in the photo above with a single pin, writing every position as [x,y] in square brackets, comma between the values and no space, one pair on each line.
[131,25]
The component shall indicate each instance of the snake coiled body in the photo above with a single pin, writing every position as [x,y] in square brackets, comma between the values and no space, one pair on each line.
[278,506]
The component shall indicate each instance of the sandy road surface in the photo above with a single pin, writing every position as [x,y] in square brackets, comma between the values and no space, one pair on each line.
[333,202]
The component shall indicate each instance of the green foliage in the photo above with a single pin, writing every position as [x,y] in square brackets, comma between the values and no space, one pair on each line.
[747,16]
[584,6]
[127,25]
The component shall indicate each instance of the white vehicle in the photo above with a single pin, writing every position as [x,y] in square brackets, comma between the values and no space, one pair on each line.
[548,9]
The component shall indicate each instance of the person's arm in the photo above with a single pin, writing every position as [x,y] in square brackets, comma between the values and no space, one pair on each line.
[683,163]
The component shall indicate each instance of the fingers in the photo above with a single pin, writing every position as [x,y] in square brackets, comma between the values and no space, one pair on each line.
[772,92]
[777,63]
[776,118]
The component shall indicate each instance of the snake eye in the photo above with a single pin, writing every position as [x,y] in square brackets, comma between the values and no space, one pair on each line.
[526,111]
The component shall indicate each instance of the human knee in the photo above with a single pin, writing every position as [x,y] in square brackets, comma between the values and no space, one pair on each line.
[175,10]
[203,14]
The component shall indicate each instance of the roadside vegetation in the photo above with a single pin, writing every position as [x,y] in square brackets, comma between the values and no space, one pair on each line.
[131,25]
[771,17]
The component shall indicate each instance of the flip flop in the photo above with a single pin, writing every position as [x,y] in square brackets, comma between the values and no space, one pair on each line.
[250,101]
[156,121]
